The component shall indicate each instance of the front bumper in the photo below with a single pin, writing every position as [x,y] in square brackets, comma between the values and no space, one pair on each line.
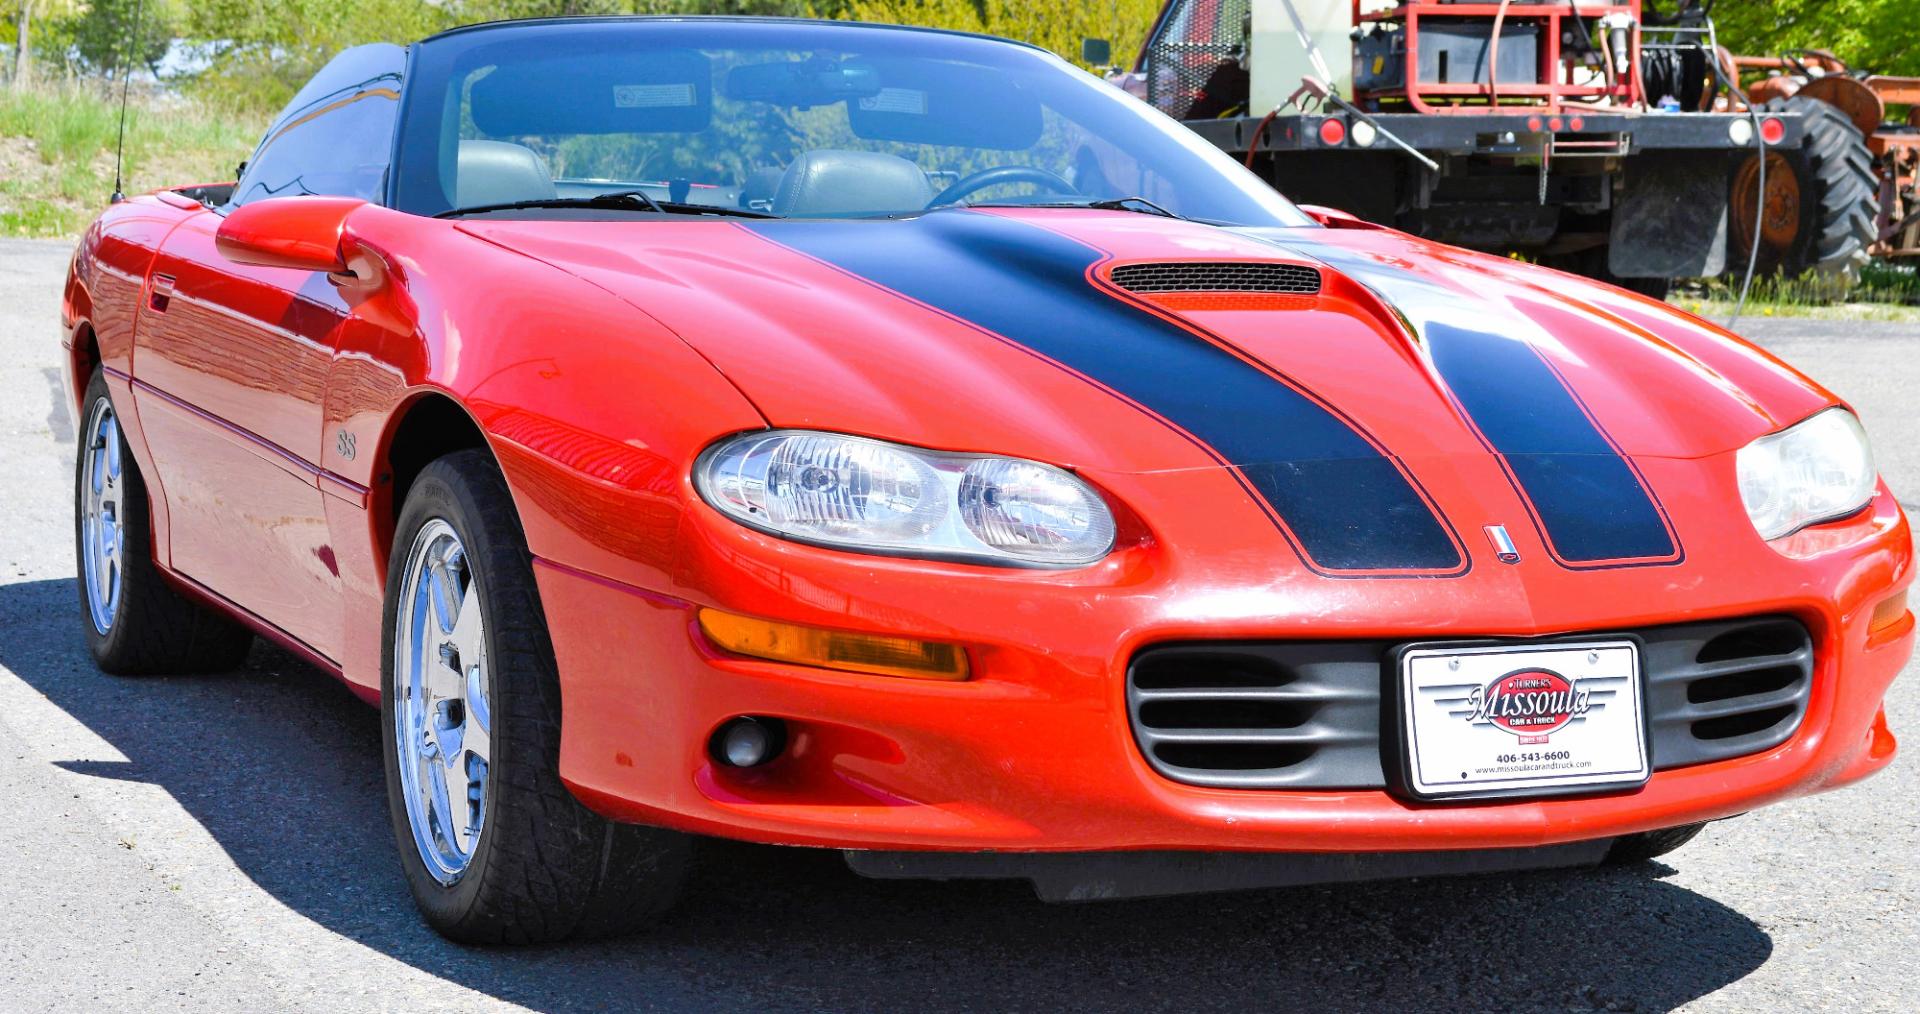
[1036,753]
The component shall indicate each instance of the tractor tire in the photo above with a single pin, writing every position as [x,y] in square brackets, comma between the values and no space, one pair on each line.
[1821,223]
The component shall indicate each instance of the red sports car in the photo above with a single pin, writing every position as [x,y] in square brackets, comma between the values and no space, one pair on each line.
[900,442]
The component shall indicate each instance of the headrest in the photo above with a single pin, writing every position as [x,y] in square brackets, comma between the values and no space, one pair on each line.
[831,183]
[495,172]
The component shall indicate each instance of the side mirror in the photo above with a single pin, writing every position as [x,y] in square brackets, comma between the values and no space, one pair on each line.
[301,233]
[1096,52]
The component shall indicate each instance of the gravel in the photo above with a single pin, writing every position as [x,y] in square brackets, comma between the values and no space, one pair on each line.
[220,842]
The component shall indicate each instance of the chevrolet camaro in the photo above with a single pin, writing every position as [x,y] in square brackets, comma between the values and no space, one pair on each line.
[901,442]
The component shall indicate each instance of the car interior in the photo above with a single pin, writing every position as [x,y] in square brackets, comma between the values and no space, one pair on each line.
[676,95]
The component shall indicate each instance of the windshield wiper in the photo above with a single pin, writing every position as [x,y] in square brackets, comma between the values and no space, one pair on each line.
[638,200]
[1139,205]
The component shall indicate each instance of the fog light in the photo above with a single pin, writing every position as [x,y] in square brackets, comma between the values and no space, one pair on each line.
[748,742]
[834,649]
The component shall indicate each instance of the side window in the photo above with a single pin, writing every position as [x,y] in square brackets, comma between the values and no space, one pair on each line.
[336,136]
[339,146]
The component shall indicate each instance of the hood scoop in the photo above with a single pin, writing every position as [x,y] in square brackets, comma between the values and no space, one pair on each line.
[1220,285]
[1263,278]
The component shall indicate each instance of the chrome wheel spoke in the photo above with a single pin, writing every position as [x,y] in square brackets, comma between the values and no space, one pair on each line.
[479,713]
[445,822]
[465,634]
[105,568]
[443,592]
[111,438]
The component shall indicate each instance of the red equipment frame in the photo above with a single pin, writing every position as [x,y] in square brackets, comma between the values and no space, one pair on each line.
[1551,90]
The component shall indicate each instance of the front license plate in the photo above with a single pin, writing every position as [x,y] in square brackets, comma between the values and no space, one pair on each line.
[1513,720]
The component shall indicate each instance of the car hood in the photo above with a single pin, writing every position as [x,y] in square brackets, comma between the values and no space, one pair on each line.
[1393,387]
[988,330]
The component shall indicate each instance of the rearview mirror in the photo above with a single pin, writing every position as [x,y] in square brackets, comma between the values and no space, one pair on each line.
[301,233]
[1096,52]
[802,84]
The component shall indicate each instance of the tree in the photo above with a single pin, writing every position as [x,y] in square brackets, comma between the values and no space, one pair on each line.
[103,35]
[1058,25]
[259,54]
[23,15]
[1882,36]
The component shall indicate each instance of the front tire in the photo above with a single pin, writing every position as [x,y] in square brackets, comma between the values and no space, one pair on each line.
[494,846]
[1638,848]
[136,623]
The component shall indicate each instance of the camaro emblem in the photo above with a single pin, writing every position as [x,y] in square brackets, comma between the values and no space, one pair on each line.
[1503,547]
[1530,703]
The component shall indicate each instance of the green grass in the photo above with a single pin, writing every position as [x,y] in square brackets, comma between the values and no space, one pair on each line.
[1888,291]
[56,151]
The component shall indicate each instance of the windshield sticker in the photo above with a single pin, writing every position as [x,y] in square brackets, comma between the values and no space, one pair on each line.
[653,96]
[910,101]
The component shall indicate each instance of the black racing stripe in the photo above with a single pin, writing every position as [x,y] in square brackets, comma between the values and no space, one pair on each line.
[1588,501]
[1349,508]
[1592,505]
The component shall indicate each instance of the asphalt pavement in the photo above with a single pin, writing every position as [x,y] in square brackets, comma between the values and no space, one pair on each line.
[220,842]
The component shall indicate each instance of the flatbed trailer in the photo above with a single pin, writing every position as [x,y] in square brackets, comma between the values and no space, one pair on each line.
[1648,191]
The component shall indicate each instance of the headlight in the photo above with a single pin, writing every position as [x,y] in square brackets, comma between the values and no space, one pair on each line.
[1816,471]
[872,496]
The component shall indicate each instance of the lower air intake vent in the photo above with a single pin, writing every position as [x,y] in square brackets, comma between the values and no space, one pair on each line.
[1226,276]
[1720,690]
[1260,715]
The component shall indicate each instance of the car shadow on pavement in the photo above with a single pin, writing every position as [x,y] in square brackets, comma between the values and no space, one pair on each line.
[281,765]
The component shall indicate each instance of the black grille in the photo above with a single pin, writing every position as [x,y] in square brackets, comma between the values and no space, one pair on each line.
[1226,276]
[1724,690]
[1309,714]
[1269,715]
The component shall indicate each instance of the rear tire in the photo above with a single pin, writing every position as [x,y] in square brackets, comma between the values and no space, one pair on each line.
[1638,848]
[1838,197]
[540,866]
[136,623]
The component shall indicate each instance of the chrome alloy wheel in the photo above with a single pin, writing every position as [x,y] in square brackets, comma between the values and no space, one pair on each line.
[441,719]
[103,539]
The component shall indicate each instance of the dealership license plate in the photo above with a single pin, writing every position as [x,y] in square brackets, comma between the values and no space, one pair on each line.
[1512,720]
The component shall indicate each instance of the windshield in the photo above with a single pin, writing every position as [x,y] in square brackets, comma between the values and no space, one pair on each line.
[791,119]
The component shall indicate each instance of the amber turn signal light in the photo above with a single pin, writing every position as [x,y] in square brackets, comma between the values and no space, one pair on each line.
[1888,613]
[834,649]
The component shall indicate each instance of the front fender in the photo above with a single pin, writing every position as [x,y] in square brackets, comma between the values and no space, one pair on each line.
[594,410]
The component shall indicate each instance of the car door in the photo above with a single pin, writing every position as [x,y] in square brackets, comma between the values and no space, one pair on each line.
[231,364]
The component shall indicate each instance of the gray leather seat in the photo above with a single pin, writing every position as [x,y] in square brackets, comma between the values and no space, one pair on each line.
[830,183]
[496,172]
